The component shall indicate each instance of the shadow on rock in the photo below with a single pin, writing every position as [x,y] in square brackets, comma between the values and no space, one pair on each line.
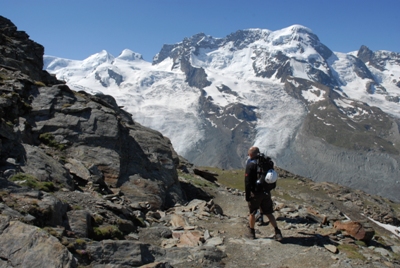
[192,192]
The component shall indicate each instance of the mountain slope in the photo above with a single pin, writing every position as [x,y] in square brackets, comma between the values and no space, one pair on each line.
[325,115]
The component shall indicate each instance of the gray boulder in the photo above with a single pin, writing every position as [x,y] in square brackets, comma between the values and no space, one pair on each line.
[45,168]
[97,135]
[25,245]
[121,253]
[80,222]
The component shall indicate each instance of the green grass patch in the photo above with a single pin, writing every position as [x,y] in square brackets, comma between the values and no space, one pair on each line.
[40,84]
[48,139]
[33,182]
[3,194]
[396,256]
[233,178]
[196,180]
[77,207]
[351,251]
[66,105]
[53,232]
[80,242]
[296,186]
[107,232]
[98,219]
[3,76]
[396,207]
[288,187]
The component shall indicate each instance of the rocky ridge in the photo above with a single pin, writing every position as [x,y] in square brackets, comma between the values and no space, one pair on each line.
[83,185]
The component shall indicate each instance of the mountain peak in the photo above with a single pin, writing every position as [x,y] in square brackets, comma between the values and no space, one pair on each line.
[97,59]
[294,33]
[129,55]
[102,56]
[300,29]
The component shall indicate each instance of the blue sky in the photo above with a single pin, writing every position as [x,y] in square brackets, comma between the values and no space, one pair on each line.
[76,29]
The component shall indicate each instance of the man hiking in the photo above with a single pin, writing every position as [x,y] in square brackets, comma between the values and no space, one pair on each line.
[257,195]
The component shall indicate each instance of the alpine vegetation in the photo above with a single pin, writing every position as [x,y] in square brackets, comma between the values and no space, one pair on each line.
[326,115]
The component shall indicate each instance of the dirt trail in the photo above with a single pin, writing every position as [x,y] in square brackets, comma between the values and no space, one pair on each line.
[303,245]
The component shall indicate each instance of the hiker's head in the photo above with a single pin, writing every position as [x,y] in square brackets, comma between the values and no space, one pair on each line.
[253,152]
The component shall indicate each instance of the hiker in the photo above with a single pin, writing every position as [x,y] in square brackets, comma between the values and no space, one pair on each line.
[258,197]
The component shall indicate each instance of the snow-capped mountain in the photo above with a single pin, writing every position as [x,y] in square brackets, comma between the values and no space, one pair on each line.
[326,115]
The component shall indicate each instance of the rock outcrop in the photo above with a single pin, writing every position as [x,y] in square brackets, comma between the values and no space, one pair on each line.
[59,136]
[23,245]
[83,148]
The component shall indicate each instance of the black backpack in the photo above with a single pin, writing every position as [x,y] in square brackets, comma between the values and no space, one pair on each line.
[264,163]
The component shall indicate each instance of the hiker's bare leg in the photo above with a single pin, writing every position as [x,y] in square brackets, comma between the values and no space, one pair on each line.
[272,220]
[252,220]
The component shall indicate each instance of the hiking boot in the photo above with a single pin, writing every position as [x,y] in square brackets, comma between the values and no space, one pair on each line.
[251,233]
[278,235]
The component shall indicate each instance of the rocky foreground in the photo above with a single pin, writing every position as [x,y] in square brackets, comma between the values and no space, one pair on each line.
[323,226]
[83,185]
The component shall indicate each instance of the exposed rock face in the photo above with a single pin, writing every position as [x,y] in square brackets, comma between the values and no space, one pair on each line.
[233,135]
[53,123]
[196,77]
[97,133]
[377,59]
[23,245]
[54,138]
[21,53]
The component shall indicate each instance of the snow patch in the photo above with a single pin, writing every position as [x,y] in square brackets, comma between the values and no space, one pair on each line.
[313,95]
[394,229]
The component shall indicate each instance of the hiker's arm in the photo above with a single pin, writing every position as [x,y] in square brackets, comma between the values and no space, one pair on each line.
[247,182]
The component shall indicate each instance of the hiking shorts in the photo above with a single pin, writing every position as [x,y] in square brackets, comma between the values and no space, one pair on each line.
[261,201]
